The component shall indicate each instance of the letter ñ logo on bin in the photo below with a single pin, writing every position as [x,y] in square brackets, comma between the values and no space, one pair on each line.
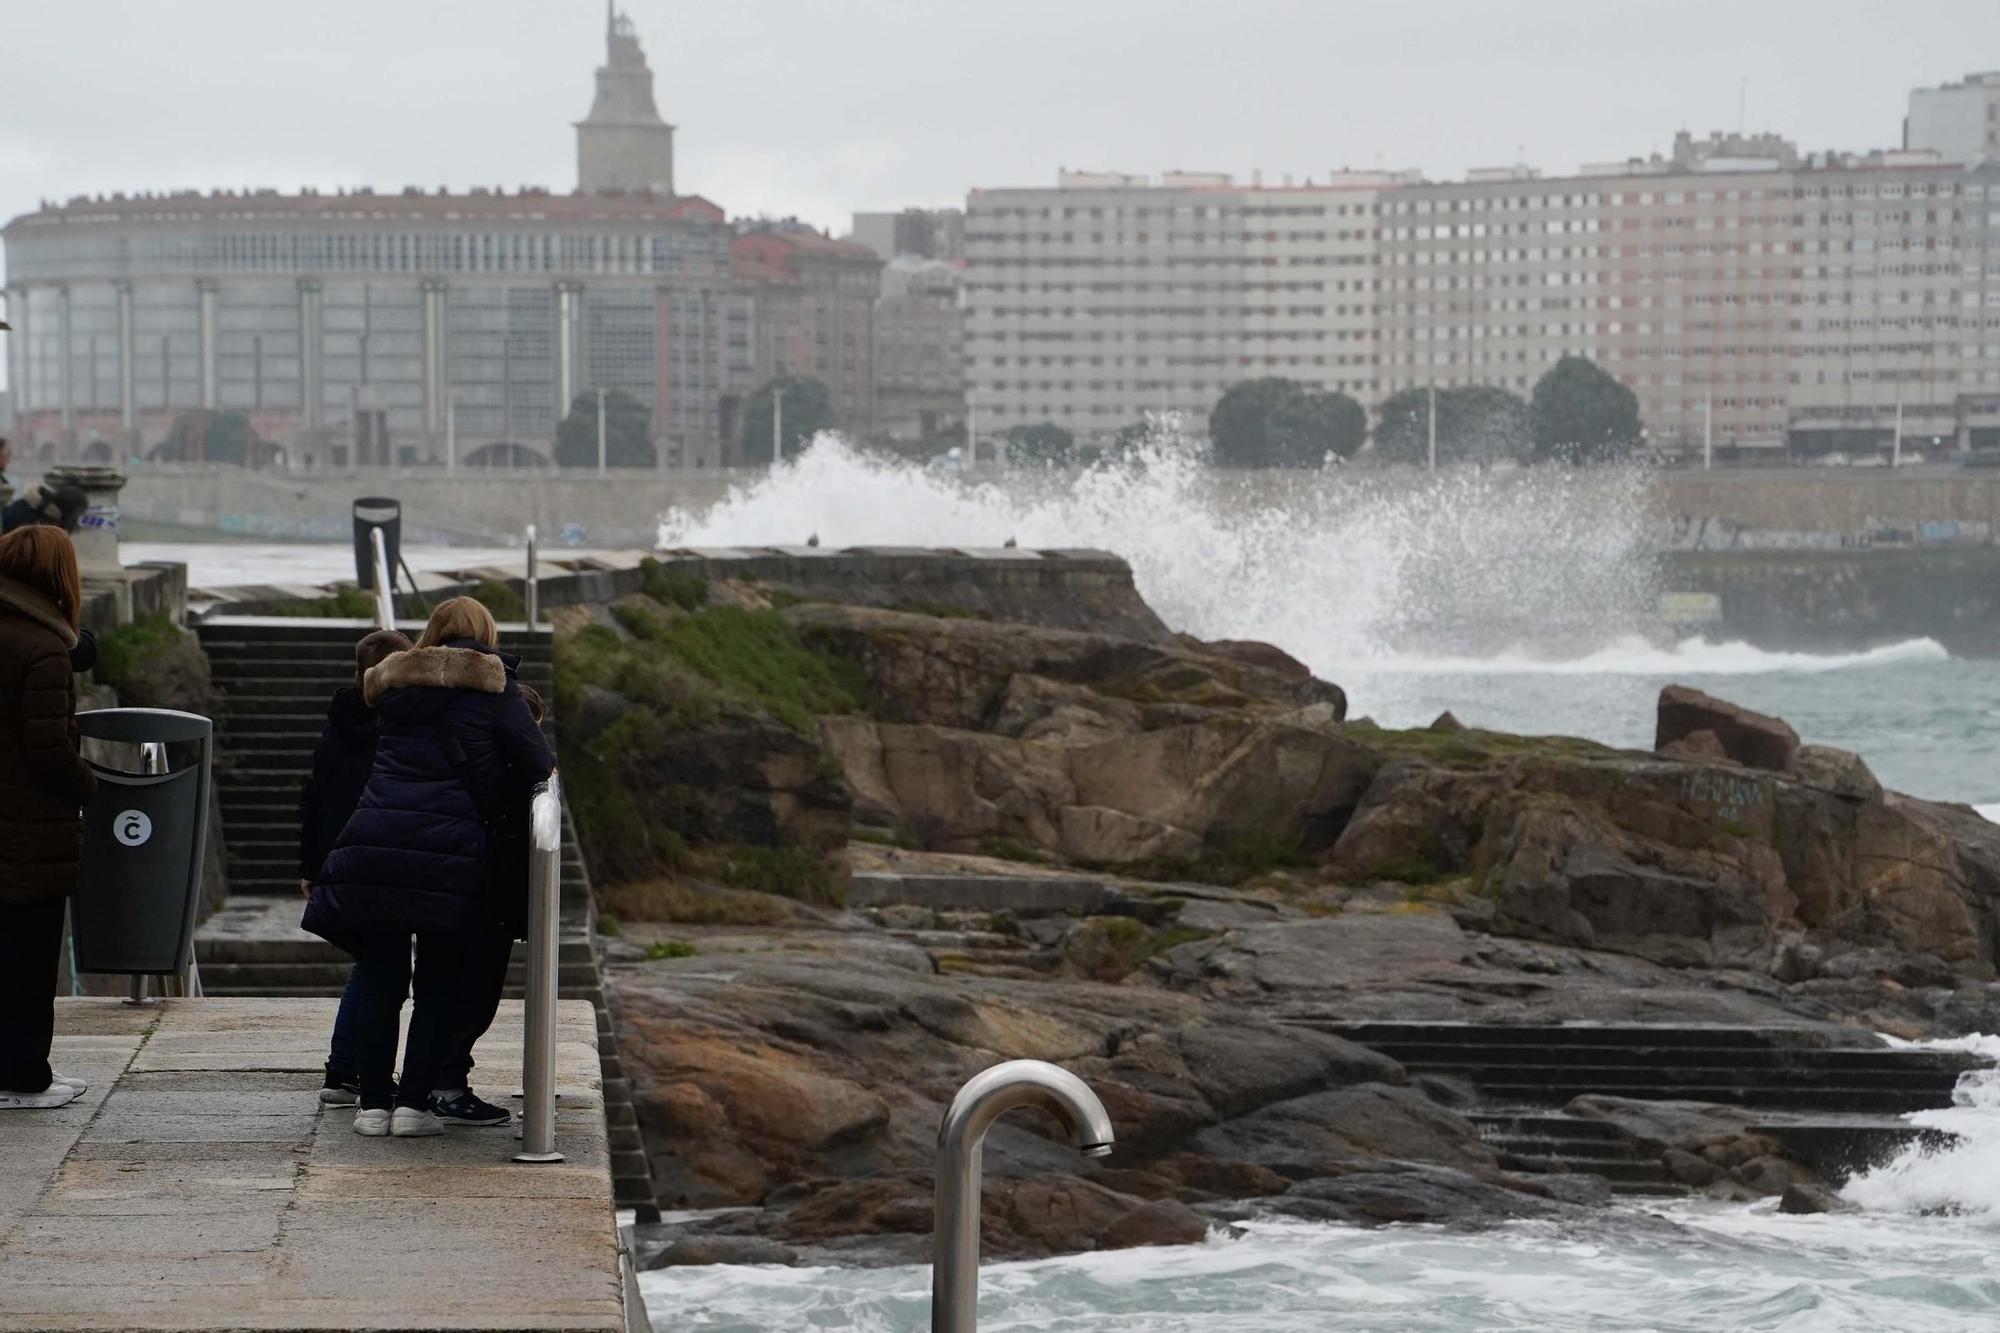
[134,828]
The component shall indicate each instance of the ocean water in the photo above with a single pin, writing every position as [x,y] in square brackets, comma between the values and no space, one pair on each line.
[1921,1254]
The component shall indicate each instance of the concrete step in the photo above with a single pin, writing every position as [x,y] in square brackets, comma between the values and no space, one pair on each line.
[1667,1078]
[1777,1060]
[1874,1101]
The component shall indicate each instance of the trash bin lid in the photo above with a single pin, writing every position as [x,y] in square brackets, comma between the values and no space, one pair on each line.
[141,725]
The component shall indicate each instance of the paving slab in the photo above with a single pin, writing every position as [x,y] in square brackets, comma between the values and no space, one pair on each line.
[200,1185]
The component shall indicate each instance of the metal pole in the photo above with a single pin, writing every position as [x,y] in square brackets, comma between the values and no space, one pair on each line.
[984,1099]
[538,1010]
[1896,447]
[1434,427]
[385,599]
[1708,432]
[450,435]
[602,453]
[534,583]
[777,424]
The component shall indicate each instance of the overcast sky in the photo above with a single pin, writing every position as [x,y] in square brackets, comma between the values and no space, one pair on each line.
[819,108]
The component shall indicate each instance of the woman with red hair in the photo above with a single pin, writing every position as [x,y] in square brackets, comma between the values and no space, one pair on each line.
[43,786]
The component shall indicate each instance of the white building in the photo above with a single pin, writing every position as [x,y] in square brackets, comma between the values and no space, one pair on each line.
[1958,121]
[1111,296]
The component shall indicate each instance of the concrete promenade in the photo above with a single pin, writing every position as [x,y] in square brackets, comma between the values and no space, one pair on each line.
[200,1185]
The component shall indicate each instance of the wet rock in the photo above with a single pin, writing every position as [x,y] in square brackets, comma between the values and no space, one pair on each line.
[690,1251]
[1240,1066]
[1752,739]
[1329,1131]
[1688,1168]
[1766,1175]
[1447,723]
[1698,747]
[1161,1222]
[1573,1187]
[1807,1198]
[1390,1192]
[1268,656]
[1841,772]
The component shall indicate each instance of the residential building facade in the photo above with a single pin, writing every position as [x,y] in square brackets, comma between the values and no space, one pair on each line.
[366,328]
[1110,297]
[814,299]
[1960,122]
[920,351]
[927,233]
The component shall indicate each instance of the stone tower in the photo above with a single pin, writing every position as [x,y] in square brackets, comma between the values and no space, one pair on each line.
[623,144]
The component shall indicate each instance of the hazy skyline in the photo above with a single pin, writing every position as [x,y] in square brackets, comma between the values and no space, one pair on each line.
[821,109]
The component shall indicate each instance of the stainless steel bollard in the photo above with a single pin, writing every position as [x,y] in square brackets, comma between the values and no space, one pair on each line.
[385,599]
[538,1016]
[984,1099]
[533,595]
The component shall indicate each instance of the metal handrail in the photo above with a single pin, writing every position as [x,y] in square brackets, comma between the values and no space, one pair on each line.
[538,1010]
[385,598]
[533,592]
[984,1099]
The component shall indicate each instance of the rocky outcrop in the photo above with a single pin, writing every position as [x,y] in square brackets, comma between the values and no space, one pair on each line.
[1699,724]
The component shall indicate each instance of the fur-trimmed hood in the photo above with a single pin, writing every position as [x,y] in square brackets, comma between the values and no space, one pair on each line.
[25,601]
[441,668]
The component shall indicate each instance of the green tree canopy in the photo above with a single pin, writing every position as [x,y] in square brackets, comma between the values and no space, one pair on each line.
[808,411]
[1580,414]
[1043,444]
[1476,424]
[1282,423]
[628,432]
[212,437]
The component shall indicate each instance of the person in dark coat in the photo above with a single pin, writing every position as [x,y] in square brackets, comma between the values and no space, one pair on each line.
[44,783]
[342,761]
[62,507]
[414,859]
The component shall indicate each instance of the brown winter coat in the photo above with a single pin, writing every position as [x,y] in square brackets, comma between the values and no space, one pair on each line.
[43,781]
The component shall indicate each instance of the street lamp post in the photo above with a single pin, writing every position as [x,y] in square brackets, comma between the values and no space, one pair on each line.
[601,451]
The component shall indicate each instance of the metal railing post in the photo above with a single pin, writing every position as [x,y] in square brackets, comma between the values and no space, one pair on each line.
[534,585]
[985,1098]
[538,1010]
[385,599]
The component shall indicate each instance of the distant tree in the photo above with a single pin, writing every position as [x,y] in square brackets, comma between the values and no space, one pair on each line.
[1043,444]
[211,437]
[808,410]
[1580,414]
[1282,423]
[1476,424]
[628,432]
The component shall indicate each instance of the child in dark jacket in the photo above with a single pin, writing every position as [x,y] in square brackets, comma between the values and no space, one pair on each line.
[342,761]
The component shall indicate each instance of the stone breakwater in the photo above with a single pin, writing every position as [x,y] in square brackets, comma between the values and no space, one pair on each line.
[861,842]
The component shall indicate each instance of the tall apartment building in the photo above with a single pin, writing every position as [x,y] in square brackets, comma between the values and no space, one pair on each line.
[1111,296]
[815,310]
[920,350]
[926,233]
[1960,122]
[409,327]
[1734,287]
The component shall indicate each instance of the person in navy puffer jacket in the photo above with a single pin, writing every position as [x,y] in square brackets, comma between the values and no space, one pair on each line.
[455,739]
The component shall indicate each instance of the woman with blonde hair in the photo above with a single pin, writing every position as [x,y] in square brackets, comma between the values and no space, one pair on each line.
[43,786]
[455,737]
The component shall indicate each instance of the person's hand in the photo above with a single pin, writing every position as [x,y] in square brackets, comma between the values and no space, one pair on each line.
[305,888]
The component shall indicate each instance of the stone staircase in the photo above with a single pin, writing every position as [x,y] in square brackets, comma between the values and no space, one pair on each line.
[274,677]
[1833,1106]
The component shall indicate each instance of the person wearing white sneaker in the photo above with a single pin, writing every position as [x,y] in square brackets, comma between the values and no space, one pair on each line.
[372,1122]
[410,1123]
[43,785]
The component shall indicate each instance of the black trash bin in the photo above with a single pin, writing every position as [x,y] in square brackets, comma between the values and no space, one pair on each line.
[143,839]
[372,512]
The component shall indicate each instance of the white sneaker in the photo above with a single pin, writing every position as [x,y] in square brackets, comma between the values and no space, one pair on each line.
[410,1123]
[69,1082]
[372,1124]
[48,1099]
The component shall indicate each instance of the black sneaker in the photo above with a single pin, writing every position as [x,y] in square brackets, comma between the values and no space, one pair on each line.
[340,1089]
[466,1108]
